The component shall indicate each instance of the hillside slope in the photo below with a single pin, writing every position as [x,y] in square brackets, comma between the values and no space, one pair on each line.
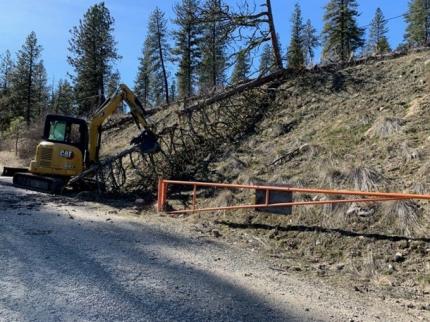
[364,127]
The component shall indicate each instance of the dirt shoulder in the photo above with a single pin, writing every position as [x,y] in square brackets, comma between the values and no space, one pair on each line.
[369,289]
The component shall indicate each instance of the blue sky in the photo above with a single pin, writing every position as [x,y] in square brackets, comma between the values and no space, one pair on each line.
[52,20]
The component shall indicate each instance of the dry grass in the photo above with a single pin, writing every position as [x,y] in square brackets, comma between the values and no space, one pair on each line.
[333,178]
[334,215]
[404,215]
[224,199]
[409,154]
[385,127]
[8,159]
[360,178]
[231,168]
[365,179]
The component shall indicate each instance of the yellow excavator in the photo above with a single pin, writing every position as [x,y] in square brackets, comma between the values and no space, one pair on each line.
[70,145]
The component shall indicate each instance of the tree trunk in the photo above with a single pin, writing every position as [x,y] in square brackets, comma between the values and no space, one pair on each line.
[29,85]
[160,50]
[16,144]
[189,66]
[214,56]
[273,35]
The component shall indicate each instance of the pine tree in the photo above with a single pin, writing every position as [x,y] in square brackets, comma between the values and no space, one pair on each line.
[6,68]
[213,45]
[341,34]
[28,80]
[267,61]
[64,102]
[241,68]
[173,91]
[418,20]
[295,54]
[113,83]
[187,41]
[93,51]
[378,41]
[142,85]
[310,42]
[158,49]
[41,89]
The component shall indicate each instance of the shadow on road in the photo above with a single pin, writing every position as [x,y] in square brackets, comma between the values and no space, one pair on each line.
[103,271]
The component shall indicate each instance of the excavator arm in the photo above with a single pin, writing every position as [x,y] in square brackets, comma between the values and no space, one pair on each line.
[107,109]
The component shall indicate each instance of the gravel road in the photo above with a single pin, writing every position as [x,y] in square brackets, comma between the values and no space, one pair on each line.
[66,260]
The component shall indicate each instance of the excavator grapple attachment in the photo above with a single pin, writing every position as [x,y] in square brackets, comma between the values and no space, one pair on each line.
[147,142]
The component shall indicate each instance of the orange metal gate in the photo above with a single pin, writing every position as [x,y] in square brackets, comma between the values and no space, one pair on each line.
[163,186]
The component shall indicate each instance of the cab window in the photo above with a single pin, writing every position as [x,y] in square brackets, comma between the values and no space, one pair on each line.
[75,134]
[57,131]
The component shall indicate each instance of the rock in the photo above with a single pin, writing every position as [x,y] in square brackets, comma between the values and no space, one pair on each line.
[321,267]
[216,233]
[390,268]
[403,244]
[273,233]
[139,201]
[340,266]
[399,258]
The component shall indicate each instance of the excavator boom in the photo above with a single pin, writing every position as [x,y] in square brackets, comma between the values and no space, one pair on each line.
[123,94]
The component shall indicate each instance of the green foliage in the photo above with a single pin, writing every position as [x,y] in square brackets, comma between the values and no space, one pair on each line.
[378,41]
[418,20]
[310,41]
[267,61]
[241,68]
[216,35]
[93,51]
[113,83]
[63,101]
[173,91]
[187,45]
[157,51]
[295,54]
[16,129]
[28,91]
[341,34]
[6,68]
[142,85]
[151,85]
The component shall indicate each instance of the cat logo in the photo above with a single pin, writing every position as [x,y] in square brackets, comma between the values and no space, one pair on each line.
[66,154]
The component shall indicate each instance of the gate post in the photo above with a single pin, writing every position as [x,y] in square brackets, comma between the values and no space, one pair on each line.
[161,195]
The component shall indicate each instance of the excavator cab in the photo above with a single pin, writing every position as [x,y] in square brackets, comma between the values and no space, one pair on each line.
[67,130]
[63,149]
